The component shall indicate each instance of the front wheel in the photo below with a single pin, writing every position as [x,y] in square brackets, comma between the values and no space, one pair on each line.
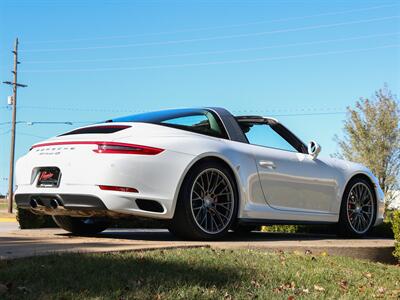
[357,213]
[82,226]
[207,203]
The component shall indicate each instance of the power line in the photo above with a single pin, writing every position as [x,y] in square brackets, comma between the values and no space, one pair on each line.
[31,123]
[221,37]
[240,61]
[309,109]
[219,51]
[308,114]
[217,27]
[82,109]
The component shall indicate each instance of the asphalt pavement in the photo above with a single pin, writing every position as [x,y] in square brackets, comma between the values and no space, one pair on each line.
[8,226]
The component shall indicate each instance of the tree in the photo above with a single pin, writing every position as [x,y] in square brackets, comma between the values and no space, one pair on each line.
[372,137]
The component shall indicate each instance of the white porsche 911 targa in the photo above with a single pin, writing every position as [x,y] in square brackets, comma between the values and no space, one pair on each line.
[202,170]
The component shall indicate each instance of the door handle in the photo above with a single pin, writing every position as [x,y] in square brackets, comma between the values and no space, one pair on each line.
[267,164]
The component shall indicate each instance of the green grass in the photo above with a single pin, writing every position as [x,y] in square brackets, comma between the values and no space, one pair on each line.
[3,205]
[199,273]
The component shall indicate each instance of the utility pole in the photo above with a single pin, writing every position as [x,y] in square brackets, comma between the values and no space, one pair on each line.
[15,85]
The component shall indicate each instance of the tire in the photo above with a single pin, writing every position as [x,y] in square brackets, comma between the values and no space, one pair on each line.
[358,209]
[207,204]
[81,226]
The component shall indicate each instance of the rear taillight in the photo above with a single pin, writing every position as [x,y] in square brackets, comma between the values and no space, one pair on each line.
[122,148]
[118,188]
[108,147]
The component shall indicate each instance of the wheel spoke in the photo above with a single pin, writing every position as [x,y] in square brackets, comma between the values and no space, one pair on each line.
[222,194]
[197,195]
[226,205]
[209,180]
[220,219]
[201,187]
[199,212]
[202,183]
[351,198]
[217,183]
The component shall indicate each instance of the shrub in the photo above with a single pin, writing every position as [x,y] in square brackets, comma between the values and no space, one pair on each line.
[396,232]
[316,229]
[280,228]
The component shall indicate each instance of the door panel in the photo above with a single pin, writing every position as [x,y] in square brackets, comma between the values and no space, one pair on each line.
[293,181]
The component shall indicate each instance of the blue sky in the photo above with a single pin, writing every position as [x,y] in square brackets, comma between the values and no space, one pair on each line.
[86,61]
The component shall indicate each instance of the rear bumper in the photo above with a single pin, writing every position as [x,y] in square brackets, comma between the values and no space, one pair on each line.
[67,201]
[91,201]
[82,171]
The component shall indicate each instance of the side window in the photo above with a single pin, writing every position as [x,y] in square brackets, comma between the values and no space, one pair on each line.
[201,123]
[188,121]
[264,135]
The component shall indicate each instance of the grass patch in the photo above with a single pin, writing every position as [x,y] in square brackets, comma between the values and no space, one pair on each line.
[3,205]
[196,274]
[3,209]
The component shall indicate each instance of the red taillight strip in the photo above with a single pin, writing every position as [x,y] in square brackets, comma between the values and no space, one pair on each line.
[118,188]
[125,148]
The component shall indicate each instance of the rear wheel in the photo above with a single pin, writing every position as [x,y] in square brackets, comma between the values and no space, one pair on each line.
[357,214]
[207,204]
[81,225]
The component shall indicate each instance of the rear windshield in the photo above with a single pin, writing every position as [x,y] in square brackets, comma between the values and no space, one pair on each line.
[200,121]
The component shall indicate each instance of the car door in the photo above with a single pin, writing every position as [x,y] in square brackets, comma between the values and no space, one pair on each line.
[290,179]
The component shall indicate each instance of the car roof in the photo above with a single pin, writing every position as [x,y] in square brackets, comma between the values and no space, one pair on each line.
[229,122]
[256,119]
[160,115]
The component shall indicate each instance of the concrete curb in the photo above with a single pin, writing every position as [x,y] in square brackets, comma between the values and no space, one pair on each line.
[39,242]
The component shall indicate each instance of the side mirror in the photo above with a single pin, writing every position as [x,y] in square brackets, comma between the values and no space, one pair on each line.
[314,149]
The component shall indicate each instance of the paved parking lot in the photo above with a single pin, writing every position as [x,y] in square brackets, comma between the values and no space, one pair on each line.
[23,243]
[8,226]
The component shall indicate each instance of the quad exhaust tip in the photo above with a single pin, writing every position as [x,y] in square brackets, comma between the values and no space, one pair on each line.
[54,203]
[33,203]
